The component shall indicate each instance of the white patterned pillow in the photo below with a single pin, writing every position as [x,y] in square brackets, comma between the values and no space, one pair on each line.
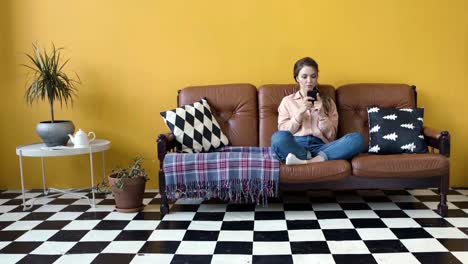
[393,131]
[195,127]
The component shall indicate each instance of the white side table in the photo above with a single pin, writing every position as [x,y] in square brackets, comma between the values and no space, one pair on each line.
[42,151]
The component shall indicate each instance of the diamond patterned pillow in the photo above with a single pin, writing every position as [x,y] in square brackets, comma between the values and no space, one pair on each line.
[195,128]
[393,131]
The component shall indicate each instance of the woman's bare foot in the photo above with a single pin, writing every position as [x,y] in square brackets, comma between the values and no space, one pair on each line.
[291,159]
[317,159]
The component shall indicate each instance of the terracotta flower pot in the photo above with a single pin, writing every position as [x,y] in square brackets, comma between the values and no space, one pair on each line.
[130,198]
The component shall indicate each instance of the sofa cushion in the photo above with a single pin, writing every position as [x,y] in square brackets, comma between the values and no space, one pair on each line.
[393,131]
[195,128]
[352,101]
[269,99]
[315,172]
[233,105]
[400,165]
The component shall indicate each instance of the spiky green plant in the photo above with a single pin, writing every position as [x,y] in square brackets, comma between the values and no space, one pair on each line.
[49,81]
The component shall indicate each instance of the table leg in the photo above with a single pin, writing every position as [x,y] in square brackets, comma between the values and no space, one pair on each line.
[103,165]
[43,177]
[22,179]
[92,175]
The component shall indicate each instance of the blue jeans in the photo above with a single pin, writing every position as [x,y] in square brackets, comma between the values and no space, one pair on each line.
[307,147]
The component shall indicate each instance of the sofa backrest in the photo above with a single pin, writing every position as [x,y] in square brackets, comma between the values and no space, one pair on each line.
[269,99]
[352,101]
[233,105]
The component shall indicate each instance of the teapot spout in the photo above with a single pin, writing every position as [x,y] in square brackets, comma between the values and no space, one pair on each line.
[71,138]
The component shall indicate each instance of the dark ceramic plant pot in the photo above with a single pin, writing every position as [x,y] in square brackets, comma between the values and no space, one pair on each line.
[55,134]
[130,198]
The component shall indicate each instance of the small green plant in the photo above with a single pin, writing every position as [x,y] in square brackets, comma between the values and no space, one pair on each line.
[49,81]
[134,170]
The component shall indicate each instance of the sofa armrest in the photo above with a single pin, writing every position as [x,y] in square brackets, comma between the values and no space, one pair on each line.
[438,139]
[166,143]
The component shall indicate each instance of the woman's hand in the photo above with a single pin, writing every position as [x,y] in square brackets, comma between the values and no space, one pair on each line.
[318,104]
[303,108]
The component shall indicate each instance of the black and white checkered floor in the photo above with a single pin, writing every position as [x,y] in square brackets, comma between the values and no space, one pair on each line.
[366,226]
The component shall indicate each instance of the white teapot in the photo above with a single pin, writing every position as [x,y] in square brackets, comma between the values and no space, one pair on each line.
[81,140]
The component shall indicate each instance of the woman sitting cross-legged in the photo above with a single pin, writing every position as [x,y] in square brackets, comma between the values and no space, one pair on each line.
[308,121]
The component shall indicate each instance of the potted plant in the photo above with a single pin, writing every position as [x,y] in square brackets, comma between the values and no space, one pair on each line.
[51,83]
[128,186]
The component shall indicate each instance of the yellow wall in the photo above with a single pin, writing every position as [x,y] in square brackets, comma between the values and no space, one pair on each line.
[133,56]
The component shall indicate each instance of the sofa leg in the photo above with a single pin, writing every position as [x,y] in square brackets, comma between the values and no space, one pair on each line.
[164,207]
[442,208]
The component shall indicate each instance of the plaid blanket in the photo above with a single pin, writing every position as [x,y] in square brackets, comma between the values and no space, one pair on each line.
[234,174]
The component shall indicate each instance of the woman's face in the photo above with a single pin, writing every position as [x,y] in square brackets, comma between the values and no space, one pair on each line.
[307,79]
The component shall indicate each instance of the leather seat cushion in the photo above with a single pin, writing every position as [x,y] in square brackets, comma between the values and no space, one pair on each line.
[400,165]
[315,172]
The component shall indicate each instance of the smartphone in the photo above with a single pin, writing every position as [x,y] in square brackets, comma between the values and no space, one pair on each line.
[313,94]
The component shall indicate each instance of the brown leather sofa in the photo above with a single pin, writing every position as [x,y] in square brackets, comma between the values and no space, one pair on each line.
[248,117]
